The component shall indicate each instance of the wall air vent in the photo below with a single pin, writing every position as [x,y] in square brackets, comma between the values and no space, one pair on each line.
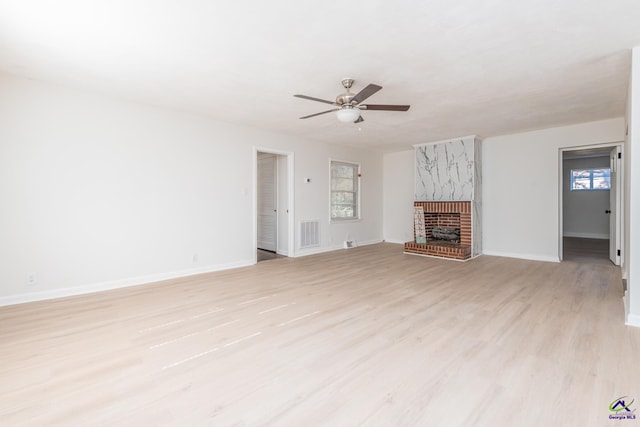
[309,233]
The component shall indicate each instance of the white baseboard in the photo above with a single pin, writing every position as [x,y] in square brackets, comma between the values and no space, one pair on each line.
[522,256]
[586,235]
[115,284]
[320,250]
[633,320]
[399,242]
[369,242]
[625,300]
[314,251]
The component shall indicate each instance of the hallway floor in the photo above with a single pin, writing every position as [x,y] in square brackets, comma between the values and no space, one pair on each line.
[586,250]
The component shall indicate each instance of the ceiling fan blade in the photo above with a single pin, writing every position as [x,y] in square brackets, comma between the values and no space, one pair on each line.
[311,98]
[360,119]
[365,93]
[317,114]
[384,107]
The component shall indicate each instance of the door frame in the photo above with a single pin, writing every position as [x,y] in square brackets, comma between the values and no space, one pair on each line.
[290,199]
[273,164]
[617,256]
[620,191]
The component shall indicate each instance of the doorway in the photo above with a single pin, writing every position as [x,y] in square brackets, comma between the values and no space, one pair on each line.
[267,202]
[273,223]
[590,204]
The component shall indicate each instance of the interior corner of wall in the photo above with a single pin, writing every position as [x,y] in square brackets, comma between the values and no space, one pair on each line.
[633,320]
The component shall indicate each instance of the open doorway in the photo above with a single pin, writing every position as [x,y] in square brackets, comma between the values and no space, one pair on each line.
[273,204]
[590,205]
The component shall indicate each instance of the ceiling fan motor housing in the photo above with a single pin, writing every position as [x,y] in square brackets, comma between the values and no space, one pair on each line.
[346,97]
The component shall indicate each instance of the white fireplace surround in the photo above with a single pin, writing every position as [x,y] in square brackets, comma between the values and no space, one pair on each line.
[451,170]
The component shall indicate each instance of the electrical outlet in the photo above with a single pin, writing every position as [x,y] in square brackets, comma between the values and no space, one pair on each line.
[32,279]
[195,258]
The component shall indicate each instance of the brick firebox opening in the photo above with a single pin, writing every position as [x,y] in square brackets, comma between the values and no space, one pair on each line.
[440,219]
[447,214]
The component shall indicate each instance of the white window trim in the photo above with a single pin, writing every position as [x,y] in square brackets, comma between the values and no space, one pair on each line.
[358,193]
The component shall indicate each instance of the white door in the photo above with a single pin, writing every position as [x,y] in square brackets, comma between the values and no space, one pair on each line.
[614,207]
[267,203]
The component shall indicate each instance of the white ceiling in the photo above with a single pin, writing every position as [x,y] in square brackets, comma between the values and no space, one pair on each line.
[466,67]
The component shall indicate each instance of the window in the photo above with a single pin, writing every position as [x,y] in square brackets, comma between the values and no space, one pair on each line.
[345,191]
[591,179]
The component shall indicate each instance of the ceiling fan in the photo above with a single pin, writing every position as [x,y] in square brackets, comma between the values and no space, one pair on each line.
[348,105]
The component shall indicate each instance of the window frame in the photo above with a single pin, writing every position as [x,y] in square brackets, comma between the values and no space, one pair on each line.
[357,193]
[591,188]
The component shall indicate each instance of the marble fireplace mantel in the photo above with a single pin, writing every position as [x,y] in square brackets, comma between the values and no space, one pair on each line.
[450,171]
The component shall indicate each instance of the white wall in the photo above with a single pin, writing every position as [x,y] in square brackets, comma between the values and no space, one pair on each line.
[631,158]
[521,176]
[584,211]
[99,193]
[398,189]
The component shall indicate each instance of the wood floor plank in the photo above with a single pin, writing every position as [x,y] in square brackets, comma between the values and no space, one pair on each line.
[365,336]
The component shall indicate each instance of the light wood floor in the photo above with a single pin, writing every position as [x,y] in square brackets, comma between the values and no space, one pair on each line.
[365,336]
[586,250]
[263,255]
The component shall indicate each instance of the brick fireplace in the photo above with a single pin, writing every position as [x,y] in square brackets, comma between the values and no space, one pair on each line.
[448,199]
[452,215]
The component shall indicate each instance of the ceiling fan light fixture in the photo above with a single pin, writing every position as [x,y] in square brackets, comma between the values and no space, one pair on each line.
[348,105]
[348,114]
